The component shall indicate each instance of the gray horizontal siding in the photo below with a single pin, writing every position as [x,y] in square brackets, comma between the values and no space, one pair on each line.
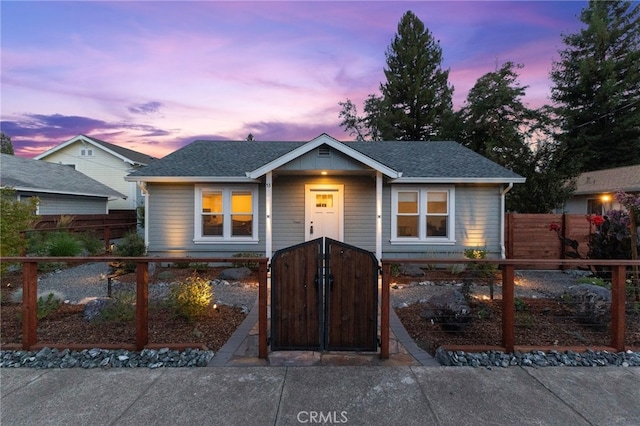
[69,204]
[477,225]
[171,227]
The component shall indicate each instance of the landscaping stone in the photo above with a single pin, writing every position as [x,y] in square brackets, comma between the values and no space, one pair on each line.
[411,270]
[592,302]
[450,309]
[235,274]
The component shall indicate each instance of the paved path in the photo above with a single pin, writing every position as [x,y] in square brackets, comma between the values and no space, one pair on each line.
[299,395]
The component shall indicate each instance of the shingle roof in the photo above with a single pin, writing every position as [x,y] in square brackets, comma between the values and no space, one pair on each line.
[42,176]
[413,159]
[135,156]
[609,180]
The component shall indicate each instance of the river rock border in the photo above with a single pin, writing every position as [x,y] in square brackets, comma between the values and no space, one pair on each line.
[103,358]
[490,359]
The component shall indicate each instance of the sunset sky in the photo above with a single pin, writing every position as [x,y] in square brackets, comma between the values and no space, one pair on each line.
[154,75]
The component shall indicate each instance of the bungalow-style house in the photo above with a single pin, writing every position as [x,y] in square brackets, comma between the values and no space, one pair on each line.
[595,191]
[60,189]
[104,162]
[395,199]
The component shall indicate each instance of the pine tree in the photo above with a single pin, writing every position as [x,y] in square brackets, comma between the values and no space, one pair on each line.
[597,86]
[417,93]
[6,147]
[416,101]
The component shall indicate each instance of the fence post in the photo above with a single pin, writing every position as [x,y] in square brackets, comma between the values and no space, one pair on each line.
[106,233]
[618,273]
[29,304]
[142,305]
[384,311]
[262,310]
[508,308]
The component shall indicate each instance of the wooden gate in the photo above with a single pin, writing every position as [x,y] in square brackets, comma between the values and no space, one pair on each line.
[324,300]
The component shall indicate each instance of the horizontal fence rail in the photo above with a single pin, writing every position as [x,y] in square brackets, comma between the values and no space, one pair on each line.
[505,267]
[30,290]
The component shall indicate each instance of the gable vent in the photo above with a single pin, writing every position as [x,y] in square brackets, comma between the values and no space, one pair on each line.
[324,151]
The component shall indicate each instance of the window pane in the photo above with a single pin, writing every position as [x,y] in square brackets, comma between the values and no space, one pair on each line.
[212,224]
[241,202]
[212,202]
[408,202]
[241,224]
[436,226]
[437,202]
[324,200]
[407,226]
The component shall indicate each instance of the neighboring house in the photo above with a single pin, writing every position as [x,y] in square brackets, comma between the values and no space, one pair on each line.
[595,191]
[104,162]
[395,199]
[60,189]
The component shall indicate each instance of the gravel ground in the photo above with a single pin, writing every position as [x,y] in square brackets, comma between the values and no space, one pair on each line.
[88,281]
[529,283]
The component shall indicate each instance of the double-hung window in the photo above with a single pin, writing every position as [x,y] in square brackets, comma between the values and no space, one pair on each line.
[226,213]
[422,215]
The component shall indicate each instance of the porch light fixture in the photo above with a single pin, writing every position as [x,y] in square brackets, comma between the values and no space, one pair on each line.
[605,198]
[323,173]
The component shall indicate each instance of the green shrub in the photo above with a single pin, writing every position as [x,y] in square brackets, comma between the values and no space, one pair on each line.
[63,244]
[121,308]
[520,305]
[132,245]
[247,264]
[16,216]
[47,302]
[91,243]
[191,298]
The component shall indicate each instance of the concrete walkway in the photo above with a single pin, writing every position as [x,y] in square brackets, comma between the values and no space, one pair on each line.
[306,395]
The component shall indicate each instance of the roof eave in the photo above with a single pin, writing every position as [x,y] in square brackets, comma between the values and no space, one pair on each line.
[114,196]
[321,140]
[190,179]
[494,180]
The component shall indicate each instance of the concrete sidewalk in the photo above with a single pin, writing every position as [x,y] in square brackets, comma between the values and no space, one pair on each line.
[308,395]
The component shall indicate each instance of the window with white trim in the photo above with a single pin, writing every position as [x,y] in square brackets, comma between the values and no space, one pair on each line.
[226,213]
[84,152]
[422,214]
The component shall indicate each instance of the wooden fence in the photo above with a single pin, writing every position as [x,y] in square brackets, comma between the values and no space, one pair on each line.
[528,236]
[508,266]
[107,227]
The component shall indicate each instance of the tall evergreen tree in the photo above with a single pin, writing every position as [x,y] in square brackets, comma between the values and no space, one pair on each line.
[597,86]
[416,99]
[498,125]
[6,147]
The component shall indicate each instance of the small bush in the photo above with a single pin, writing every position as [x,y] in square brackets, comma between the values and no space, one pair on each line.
[520,305]
[132,245]
[247,264]
[121,308]
[191,298]
[47,302]
[91,243]
[63,244]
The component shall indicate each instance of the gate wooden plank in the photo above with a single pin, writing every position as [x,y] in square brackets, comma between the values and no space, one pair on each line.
[296,298]
[351,298]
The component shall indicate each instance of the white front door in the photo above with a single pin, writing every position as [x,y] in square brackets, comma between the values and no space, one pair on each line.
[324,211]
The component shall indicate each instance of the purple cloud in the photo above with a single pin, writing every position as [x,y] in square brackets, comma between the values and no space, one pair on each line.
[146,108]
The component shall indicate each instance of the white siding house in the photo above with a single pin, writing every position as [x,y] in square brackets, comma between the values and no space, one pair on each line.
[107,163]
[395,199]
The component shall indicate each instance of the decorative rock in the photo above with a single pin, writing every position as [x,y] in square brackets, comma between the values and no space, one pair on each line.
[449,309]
[593,303]
[411,270]
[235,274]
[94,307]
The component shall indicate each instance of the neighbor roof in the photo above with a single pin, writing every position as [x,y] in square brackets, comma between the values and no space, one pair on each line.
[41,176]
[402,161]
[125,154]
[609,180]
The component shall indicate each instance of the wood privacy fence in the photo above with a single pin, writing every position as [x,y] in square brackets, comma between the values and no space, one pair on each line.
[107,227]
[528,236]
